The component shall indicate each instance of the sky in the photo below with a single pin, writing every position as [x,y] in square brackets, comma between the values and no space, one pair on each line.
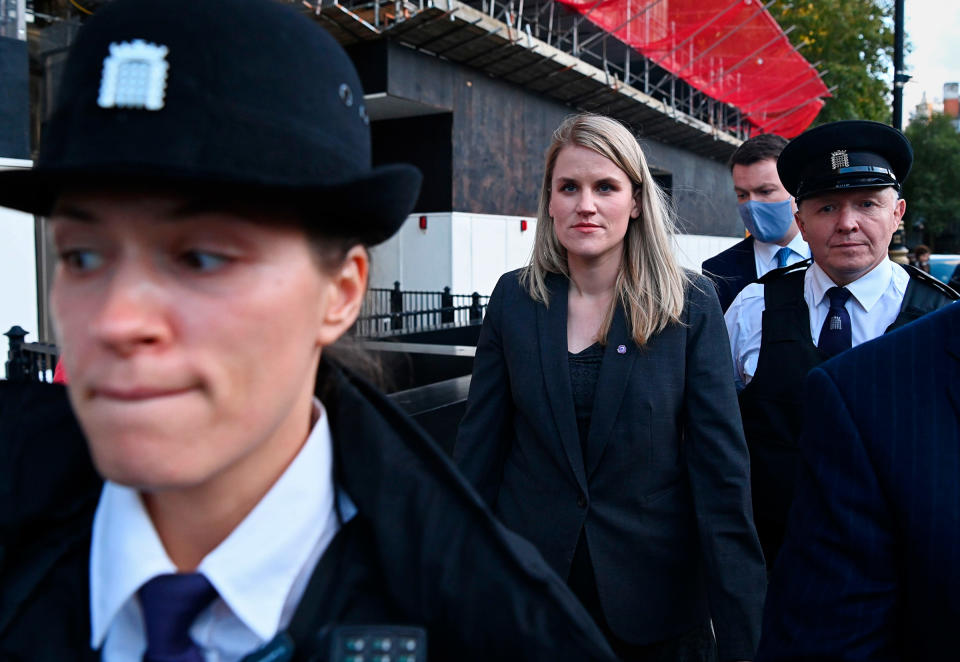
[933,29]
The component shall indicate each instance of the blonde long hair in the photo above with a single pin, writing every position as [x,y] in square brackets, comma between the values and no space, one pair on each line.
[650,285]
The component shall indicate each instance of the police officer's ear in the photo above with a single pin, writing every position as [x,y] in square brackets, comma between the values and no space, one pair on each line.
[344,295]
[899,208]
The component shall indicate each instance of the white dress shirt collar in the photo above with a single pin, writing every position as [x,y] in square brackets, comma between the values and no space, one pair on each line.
[255,569]
[867,289]
[767,253]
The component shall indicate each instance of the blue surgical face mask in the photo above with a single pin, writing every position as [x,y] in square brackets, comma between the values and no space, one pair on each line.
[767,221]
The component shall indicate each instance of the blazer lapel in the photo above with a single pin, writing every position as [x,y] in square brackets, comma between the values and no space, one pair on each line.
[746,265]
[618,360]
[552,334]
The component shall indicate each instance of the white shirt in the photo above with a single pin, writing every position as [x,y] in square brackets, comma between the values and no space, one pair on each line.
[873,306]
[260,571]
[765,255]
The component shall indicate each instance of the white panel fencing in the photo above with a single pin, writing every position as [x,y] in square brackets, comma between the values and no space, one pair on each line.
[469,252]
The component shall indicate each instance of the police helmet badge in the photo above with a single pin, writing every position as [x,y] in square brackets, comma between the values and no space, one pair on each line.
[134,76]
[839,159]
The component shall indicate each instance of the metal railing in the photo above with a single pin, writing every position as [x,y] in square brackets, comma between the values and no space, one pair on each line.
[394,311]
[571,32]
[29,361]
[385,312]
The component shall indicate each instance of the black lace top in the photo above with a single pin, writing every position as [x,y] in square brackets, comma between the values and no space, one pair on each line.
[584,371]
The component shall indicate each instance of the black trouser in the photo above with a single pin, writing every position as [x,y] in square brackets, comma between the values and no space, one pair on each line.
[697,645]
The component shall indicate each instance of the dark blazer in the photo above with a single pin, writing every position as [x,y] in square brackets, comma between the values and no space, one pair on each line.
[869,569]
[664,492]
[731,271]
[422,550]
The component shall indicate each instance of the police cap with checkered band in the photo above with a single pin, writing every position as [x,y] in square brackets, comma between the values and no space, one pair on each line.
[844,155]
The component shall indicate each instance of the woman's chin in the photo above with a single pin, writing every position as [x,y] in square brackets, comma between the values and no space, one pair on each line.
[147,464]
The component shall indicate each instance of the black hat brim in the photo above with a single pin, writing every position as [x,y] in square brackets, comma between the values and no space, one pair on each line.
[805,168]
[848,183]
[370,208]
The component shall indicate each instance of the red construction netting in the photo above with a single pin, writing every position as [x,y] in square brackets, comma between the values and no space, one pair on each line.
[734,52]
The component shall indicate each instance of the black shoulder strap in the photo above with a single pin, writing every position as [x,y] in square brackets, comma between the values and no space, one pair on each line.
[784,287]
[924,295]
[775,274]
[925,278]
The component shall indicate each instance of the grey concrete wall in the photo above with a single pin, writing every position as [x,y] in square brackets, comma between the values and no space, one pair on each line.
[702,189]
[500,134]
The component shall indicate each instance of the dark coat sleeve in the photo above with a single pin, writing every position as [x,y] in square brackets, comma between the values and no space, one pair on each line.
[718,466]
[48,493]
[834,592]
[483,438]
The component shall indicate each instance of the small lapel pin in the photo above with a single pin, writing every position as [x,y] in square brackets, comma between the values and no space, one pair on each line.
[621,349]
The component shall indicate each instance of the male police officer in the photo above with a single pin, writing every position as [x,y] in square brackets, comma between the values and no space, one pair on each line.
[207,177]
[868,568]
[767,212]
[846,177]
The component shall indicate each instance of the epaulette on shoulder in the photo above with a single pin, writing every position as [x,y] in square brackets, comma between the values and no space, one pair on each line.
[777,274]
[927,279]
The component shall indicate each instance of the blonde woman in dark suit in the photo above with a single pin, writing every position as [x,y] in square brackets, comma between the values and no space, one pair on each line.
[602,423]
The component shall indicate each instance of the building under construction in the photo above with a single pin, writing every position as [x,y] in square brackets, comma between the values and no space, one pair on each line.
[470,92]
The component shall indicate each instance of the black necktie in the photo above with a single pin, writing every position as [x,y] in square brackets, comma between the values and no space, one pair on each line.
[835,335]
[170,604]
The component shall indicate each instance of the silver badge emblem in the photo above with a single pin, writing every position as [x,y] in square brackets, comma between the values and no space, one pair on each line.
[621,349]
[836,324]
[134,76]
[839,159]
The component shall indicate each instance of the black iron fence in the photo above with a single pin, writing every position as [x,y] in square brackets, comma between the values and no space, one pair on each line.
[394,311]
[385,312]
[29,361]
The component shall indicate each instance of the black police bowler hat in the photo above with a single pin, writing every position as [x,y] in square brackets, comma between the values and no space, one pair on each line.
[218,96]
[845,155]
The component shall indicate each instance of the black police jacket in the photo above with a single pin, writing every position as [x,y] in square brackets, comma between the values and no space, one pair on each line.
[422,549]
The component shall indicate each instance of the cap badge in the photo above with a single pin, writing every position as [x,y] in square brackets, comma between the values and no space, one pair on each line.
[134,76]
[839,159]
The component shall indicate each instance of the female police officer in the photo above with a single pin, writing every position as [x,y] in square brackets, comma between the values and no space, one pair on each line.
[207,177]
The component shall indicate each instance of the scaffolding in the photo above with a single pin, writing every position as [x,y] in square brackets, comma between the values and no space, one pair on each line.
[732,51]
[587,56]
[661,66]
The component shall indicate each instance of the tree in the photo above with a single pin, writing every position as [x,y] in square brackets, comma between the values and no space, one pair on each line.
[853,42]
[931,189]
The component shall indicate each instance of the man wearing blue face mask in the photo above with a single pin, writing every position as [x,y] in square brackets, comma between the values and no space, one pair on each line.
[767,212]
[846,178]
